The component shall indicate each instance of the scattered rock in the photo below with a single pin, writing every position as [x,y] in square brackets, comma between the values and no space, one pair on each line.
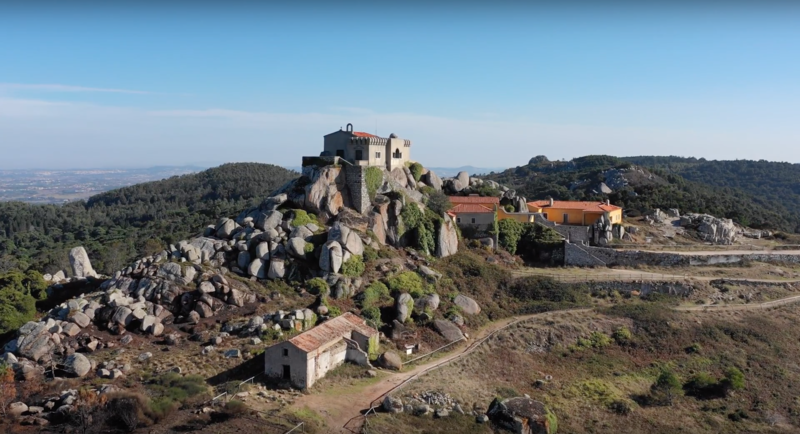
[77,364]
[390,360]
[467,305]
[392,404]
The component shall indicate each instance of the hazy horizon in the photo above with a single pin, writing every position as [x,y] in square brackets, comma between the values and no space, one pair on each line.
[138,84]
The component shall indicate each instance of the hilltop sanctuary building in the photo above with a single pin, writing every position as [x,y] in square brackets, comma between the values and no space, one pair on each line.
[364,149]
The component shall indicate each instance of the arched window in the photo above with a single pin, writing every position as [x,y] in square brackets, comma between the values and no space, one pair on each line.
[397,153]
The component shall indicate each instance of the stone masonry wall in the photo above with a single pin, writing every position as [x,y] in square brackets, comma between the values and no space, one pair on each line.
[357,186]
[587,256]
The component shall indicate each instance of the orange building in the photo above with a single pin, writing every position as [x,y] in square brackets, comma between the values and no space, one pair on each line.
[575,213]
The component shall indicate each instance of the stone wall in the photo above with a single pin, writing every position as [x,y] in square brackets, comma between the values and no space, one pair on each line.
[644,288]
[357,186]
[587,256]
[575,234]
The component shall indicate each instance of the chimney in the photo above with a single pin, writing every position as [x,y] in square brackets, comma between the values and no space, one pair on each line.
[608,202]
[551,201]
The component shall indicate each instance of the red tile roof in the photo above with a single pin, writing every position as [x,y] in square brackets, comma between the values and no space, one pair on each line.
[360,134]
[470,208]
[474,199]
[332,330]
[570,204]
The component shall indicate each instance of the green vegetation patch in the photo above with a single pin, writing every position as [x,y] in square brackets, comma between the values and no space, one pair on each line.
[353,267]
[373,176]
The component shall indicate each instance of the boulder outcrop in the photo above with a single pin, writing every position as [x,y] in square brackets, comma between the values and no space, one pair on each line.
[81,265]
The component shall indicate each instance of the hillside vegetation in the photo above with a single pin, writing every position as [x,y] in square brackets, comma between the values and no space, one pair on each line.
[641,189]
[120,225]
[770,182]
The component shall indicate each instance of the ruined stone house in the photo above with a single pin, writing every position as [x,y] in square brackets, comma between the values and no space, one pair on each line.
[307,357]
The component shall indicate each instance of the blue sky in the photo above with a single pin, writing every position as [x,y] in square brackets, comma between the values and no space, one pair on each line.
[142,84]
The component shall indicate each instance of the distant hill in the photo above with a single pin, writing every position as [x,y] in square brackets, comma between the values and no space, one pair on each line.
[775,183]
[119,225]
[645,185]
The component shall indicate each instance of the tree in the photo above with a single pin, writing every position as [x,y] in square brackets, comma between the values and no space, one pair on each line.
[666,388]
[439,202]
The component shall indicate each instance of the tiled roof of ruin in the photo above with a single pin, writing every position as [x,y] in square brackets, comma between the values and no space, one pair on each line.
[332,330]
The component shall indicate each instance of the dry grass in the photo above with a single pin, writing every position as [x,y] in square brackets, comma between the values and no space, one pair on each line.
[584,382]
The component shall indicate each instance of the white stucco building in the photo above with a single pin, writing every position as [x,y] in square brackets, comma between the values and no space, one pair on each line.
[364,149]
[307,357]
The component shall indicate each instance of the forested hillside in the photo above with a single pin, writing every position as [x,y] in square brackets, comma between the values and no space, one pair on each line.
[120,225]
[769,181]
[640,189]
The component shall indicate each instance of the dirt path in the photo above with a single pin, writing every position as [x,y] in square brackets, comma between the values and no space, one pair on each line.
[749,306]
[723,252]
[338,410]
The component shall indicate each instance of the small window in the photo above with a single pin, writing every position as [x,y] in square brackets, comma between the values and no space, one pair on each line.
[473,220]
[359,155]
[285,352]
[566,218]
[397,153]
[458,219]
[377,155]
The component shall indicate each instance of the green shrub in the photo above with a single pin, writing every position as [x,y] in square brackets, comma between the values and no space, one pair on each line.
[374,293]
[420,227]
[702,385]
[301,217]
[665,389]
[354,267]
[17,304]
[733,380]
[370,254]
[509,208]
[318,286]
[308,248]
[438,202]
[416,171]
[373,316]
[510,233]
[373,177]
[595,340]
[622,335]
[407,281]
[178,388]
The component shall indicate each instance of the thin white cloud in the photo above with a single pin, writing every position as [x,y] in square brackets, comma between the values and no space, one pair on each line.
[64,88]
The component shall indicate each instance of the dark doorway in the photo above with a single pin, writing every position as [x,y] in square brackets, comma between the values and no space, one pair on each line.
[359,155]
[340,153]
[287,372]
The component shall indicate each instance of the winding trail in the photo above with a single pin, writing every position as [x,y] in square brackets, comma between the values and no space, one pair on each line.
[338,408]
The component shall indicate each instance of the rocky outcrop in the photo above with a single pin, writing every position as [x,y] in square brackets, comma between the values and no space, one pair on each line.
[81,265]
[522,415]
[432,180]
[404,307]
[323,195]
[711,229]
[331,257]
[448,330]
[446,238]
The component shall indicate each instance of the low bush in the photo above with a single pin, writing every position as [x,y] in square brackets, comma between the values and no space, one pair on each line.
[665,389]
[370,254]
[416,171]
[373,316]
[622,335]
[374,293]
[301,217]
[318,286]
[354,267]
[235,408]
[407,281]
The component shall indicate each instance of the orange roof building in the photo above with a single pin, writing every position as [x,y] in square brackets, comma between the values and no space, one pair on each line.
[575,212]
[307,357]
